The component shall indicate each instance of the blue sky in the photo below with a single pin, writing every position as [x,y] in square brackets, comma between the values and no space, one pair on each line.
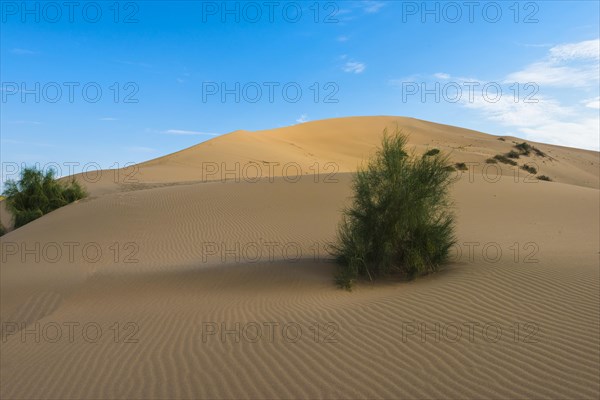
[100,83]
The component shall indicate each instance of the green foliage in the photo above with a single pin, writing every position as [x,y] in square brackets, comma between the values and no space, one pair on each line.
[399,221]
[524,148]
[512,154]
[461,166]
[36,194]
[2,229]
[529,169]
[432,152]
[491,161]
[544,178]
[502,139]
[504,159]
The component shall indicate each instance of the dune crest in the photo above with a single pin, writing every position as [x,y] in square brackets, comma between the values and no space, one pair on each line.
[217,283]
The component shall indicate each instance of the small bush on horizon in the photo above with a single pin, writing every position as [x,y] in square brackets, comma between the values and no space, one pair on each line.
[399,221]
[504,159]
[502,139]
[36,194]
[461,166]
[544,178]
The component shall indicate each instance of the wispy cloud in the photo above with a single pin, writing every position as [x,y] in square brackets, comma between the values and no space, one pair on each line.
[27,143]
[141,149]
[560,106]
[372,7]
[534,44]
[354,67]
[108,119]
[342,38]
[589,49]
[134,63]
[23,52]
[303,118]
[184,132]
[592,103]
[567,65]
[24,122]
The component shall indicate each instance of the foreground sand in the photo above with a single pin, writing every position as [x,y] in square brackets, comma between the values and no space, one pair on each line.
[194,271]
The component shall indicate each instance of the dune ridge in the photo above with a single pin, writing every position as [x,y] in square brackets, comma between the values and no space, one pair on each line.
[191,274]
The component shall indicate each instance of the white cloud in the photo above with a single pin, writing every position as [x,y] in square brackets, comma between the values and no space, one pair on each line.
[550,74]
[303,118]
[592,103]
[582,133]
[566,65]
[562,109]
[108,119]
[342,38]
[354,67]
[183,132]
[442,75]
[589,49]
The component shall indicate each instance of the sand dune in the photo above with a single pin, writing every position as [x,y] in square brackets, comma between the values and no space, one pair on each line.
[189,264]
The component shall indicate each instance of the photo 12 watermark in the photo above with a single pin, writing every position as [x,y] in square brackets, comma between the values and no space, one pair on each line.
[90,332]
[252,12]
[469,92]
[268,332]
[470,332]
[69,252]
[269,92]
[264,251]
[52,12]
[494,252]
[89,172]
[254,172]
[453,12]
[70,92]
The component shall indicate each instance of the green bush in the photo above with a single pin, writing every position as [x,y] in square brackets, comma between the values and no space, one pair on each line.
[544,178]
[512,154]
[504,159]
[524,148]
[461,166]
[529,169]
[491,161]
[399,221]
[36,194]
[502,139]
[432,152]
[2,229]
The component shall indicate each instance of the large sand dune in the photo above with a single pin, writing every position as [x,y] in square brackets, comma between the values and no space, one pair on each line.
[193,259]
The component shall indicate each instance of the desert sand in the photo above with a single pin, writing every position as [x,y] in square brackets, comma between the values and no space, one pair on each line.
[184,264]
